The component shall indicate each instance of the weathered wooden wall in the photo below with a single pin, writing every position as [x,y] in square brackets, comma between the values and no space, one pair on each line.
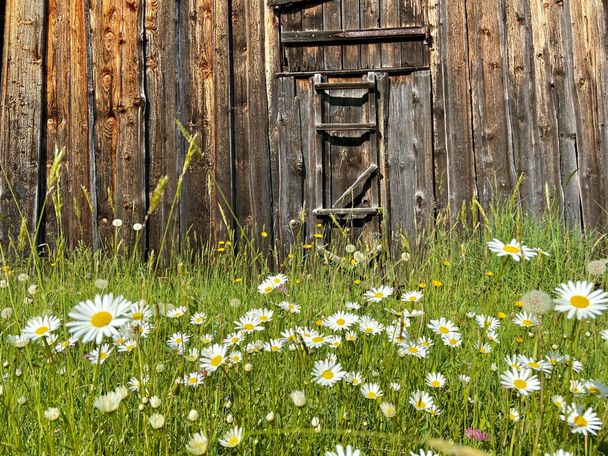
[503,87]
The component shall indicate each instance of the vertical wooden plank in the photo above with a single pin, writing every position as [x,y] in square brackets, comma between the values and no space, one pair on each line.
[460,171]
[494,168]
[351,20]
[67,126]
[222,98]
[371,54]
[437,13]
[560,42]
[587,102]
[195,111]
[291,20]
[252,155]
[548,157]
[161,88]
[290,162]
[410,162]
[117,28]
[21,142]
[332,20]
[389,17]
[312,19]
[307,101]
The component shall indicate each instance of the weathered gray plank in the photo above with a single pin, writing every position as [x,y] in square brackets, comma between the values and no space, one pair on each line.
[493,163]
[332,20]
[312,19]
[351,20]
[410,156]
[21,116]
[389,17]
[371,54]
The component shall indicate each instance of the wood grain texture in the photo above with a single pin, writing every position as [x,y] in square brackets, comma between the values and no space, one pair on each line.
[21,117]
[371,54]
[312,19]
[199,196]
[410,157]
[494,166]
[67,106]
[587,100]
[389,17]
[162,136]
[332,20]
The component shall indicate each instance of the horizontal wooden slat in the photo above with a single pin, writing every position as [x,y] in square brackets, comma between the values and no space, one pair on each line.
[362,35]
[345,85]
[345,126]
[354,190]
[308,74]
[353,211]
[283,3]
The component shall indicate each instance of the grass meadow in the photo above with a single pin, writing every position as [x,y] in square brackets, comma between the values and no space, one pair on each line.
[449,349]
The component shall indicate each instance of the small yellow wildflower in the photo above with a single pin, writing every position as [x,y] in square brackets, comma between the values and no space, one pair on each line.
[501,315]
[489,273]
[238,280]
[220,249]
[357,282]
[519,304]
[436,283]
[446,262]
[519,340]
[422,285]
[264,234]
[318,235]
[307,246]
[319,323]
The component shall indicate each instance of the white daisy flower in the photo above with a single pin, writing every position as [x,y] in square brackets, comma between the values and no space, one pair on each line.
[452,339]
[249,324]
[38,327]
[198,319]
[371,391]
[193,379]
[369,326]
[378,294]
[579,300]
[388,409]
[278,280]
[584,423]
[559,452]
[213,357]
[412,296]
[421,400]
[435,380]
[514,249]
[340,321]
[197,445]
[525,320]
[100,354]
[232,438]
[327,372]
[354,378]
[140,311]
[522,381]
[98,318]
[267,286]
[442,326]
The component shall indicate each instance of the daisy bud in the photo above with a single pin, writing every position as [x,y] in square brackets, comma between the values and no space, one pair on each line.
[227,405]
[160,368]
[298,398]
[144,400]
[270,417]
[248,367]
[494,367]
[229,419]
[314,422]
[32,289]
[51,414]
[3,283]
[22,277]
[157,421]
[587,334]
[6,313]
[140,407]
[18,372]
[193,415]
[101,283]
[554,346]
[21,400]
[155,402]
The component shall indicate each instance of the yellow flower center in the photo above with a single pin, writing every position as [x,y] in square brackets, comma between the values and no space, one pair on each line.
[268,289]
[378,295]
[101,319]
[263,318]
[216,361]
[193,380]
[520,384]
[41,330]
[371,395]
[580,421]
[369,330]
[328,374]
[420,405]
[580,302]
[534,365]
[103,355]
[413,349]
[137,316]
[248,326]
[443,330]
[435,383]
[527,323]
[412,298]
[511,249]
[340,321]
[318,339]
[593,390]
[233,441]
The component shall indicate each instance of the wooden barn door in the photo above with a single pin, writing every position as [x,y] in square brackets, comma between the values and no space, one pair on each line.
[353,119]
